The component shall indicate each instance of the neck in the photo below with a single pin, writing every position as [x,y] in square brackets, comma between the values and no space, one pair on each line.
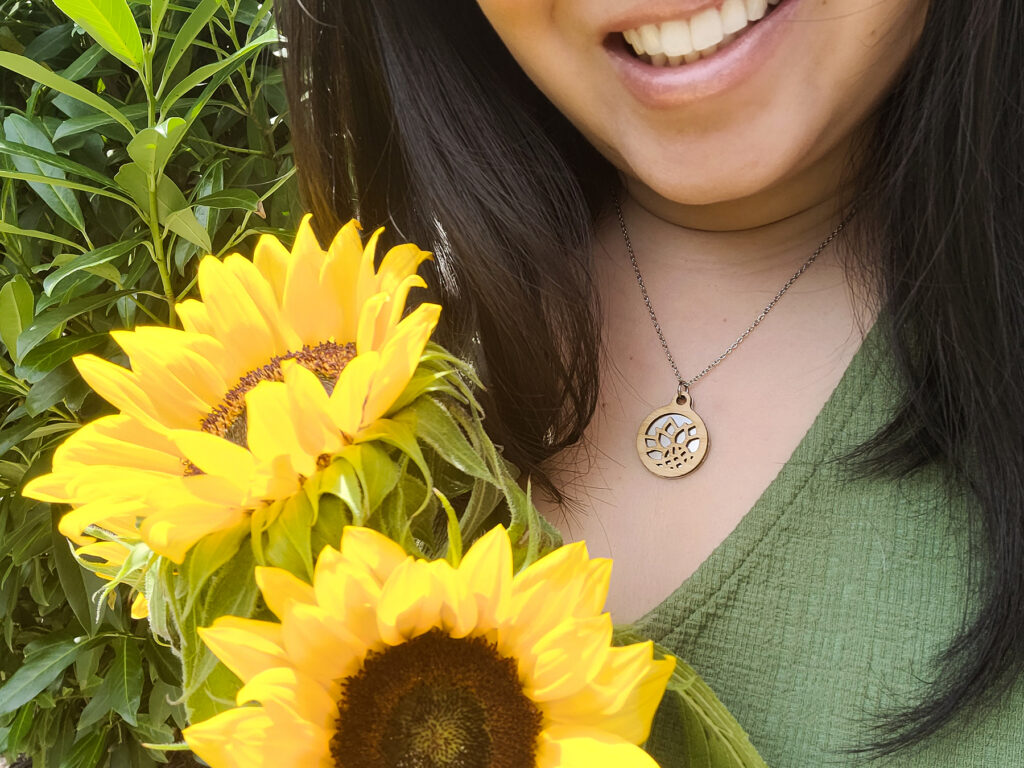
[779,226]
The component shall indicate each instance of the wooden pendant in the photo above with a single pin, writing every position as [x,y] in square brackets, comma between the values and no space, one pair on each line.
[673,440]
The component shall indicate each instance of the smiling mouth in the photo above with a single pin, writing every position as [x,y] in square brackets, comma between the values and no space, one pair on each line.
[683,41]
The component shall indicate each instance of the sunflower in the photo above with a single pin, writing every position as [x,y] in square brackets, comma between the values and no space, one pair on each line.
[198,443]
[385,660]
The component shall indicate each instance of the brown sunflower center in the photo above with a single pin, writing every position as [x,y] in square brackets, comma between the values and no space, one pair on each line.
[327,360]
[436,702]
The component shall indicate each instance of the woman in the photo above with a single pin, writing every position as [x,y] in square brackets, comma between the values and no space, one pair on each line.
[842,557]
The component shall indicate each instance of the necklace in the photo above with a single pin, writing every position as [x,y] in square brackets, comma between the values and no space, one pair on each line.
[673,440]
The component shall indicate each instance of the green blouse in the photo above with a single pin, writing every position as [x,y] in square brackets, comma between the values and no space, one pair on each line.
[827,604]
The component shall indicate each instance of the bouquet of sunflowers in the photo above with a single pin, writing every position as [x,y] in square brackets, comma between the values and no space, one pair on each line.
[299,495]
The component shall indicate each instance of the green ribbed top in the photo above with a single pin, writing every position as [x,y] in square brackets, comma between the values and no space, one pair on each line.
[828,601]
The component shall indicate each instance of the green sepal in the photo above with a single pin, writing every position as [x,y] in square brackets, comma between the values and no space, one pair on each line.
[692,727]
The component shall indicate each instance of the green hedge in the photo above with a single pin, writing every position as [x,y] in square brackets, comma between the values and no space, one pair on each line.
[133,139]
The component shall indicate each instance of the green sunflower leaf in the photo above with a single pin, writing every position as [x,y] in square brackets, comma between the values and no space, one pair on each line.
[434,424]
[692,723]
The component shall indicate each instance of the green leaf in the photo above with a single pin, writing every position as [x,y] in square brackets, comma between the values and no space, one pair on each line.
[207,557]
[221,68]
[97,120]
[152,147]
[695,727]
[32,177]
[49,659]
[88,751]
[48,356]
[50,389]
[172,210]
[60,200]
[289,538]
[84,64]
[76,583]
[340,479]
[183,222]
[157,10]
[194,23]
[45,323]
[49,43]
[434,425]
[111,24]
[12,230]
[125,675]
[16,311]
[209,687]
[89,259]
[245,199]
[12,436]
[43,76]
[52,159]
[378,473]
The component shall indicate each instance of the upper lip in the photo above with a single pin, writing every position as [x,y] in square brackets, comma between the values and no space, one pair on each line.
[655,13]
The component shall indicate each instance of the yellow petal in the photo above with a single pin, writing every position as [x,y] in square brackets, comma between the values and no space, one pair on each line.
[118,517]
[118,387]
[373,328]
[140,607]
[622,697]
[270,257]
[248,738]
[348,400]
[562,747]
[543,592]
[398,264]
[262,295]
[320,646]
[280,589]
[487,572]
[567,658]
[399,358]
[248,340]
[216,456]
[309,408]
[303,296]
[366,283]
[195,318]
[286,693]
[349,593]
[268,434]
[172,373]
[173,530]
[410,603]
[246,646]
[339,273]
[378,554]
[119,441]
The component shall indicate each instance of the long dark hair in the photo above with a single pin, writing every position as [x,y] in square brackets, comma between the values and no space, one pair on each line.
[412,112]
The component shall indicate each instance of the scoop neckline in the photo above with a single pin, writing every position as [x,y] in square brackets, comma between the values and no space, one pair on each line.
[752,532]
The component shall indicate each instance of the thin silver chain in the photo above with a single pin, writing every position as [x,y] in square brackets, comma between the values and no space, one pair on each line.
[685,384]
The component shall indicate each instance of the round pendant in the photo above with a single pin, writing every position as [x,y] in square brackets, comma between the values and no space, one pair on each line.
[673,440]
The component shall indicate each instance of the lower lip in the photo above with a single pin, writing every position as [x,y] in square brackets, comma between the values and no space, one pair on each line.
[666,87]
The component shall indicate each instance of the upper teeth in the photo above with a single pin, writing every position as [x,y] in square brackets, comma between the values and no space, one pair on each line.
[702,32]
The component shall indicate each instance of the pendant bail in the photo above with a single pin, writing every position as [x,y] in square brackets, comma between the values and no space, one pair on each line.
[682,392]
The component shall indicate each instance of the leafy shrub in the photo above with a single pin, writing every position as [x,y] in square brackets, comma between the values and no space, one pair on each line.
[133,139]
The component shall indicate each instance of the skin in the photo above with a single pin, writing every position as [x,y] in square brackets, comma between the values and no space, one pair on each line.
[725,197]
